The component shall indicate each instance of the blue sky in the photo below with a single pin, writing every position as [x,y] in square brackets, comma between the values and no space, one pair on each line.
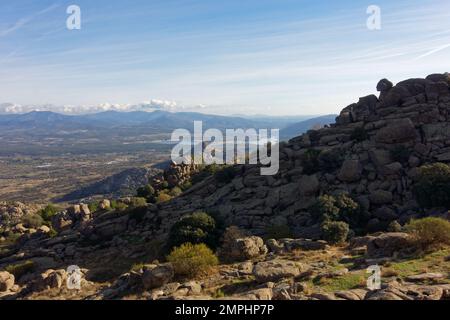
[276,57]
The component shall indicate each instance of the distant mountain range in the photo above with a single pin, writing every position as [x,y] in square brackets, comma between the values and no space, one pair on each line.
[161,121]
[298,128]
[46,132]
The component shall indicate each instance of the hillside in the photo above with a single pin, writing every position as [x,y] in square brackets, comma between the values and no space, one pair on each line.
[360,171]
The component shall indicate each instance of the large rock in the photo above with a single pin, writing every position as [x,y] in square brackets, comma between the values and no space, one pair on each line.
[386,244]
[402,130]
[6,281]
[379,197]
[246,248]
[156,276]
[384,85]
[275,270]
[350,171]
[308,185]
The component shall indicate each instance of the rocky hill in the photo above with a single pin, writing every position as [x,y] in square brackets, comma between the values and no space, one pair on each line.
[118,185]
[370,156]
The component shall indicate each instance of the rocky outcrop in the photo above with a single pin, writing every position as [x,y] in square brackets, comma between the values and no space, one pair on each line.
[274,270]
[155,276]
[387,244]
[246,248]
[359,155]
[6,281]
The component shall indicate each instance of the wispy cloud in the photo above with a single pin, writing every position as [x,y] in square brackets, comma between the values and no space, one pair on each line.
[435,50]
[25,20]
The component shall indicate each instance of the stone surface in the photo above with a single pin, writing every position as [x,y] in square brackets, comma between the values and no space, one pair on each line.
[387,244]
[156,276]
[6,281]
[275,270]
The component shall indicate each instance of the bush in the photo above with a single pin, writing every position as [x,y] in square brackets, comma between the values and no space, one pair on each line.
[325,209]
[32,221]
[310,161]
[20,269]
[198,227]
[93,206]
[48,212]
[432,188]
[146,191]
[335,231]
[400,154]
[191,260]
[186,185]
[359,134]
[163,197]
[118,205]
[350,211]
[394,226]
[175,192]
[429,233]
[339,208]
[137,202]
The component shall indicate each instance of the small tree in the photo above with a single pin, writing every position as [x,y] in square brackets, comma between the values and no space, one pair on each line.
[335,231]
[325,209]
[432,188]
[198,227]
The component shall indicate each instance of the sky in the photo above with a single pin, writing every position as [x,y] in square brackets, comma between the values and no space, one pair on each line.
[272,57]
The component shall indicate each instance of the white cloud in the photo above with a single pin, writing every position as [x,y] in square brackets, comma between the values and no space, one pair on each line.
[148,106]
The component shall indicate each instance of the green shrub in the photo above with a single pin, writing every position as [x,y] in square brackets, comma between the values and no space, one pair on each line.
[325,209]
[394,226]
[32,221]
[175,192]
[48,212]
[198,227]
[429,233]
[400,154]
[186,185]
[138,202]
[335,231]
[146,191]
[359,134]
[163,197]
[93,206]
[350,211]
[20,269]
[310,161]
[118,205]
[432,188]
[52,233]
[339,208]
[191,260]
[164,185]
